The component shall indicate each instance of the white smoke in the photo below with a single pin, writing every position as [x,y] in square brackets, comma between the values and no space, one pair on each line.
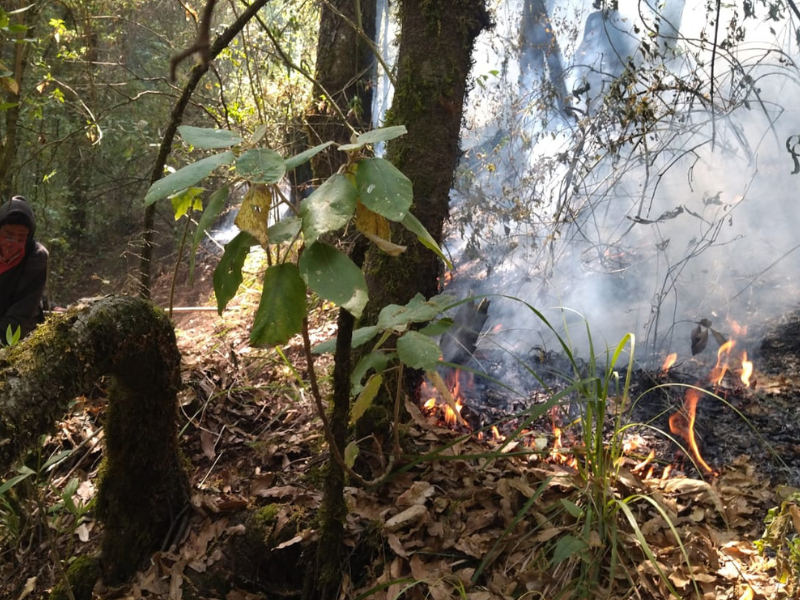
[691,222]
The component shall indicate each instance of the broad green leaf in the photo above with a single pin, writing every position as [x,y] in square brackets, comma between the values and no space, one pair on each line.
[375,361]
[261,166]
[418,351]
[228,274]
[360,337]
[258,134]
[188,199]
[215,205]
[365,398]
[202,137]
[253,216]
[284,230]
[418,310]
[566,547]
[329,208]
[437,327]
[384,134]
[187,176]
[375,136]
[350,454]
[411,223]
[295,161]
[282,308]
[333,276]
[383,189]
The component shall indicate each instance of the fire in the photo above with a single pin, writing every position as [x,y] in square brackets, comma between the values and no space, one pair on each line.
[669,361]
[496,435]
[724,352]
[446,397]
[450,416]
[747,370]
[683,425]
[638,468]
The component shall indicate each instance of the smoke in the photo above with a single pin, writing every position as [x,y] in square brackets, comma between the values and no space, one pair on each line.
[565,198]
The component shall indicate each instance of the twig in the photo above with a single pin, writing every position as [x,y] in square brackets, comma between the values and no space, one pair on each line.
[326,425]
[757,277]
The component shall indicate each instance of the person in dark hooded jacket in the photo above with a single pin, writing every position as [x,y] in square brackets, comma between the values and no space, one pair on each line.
[23,269]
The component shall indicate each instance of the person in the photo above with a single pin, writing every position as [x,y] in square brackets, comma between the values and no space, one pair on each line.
[23,269]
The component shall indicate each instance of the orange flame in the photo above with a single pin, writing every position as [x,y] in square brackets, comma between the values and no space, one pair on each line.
[640,466]
[747,370]
[724,352]
[669,361]
[683,425]
[496,435]
[449,415]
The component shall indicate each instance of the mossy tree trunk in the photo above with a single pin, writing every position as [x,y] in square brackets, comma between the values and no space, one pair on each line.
[434,60]
[344,67]
[143,488]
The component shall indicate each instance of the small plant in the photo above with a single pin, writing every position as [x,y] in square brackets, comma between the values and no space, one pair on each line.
[13,335]
[782,537]
[590,554]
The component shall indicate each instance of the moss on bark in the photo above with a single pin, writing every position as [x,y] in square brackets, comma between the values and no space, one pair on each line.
[143,487]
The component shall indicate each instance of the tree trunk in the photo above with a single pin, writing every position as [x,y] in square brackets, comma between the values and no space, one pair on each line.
[434,60]
[436,42]
[143,488]
[11,92]
[345,65]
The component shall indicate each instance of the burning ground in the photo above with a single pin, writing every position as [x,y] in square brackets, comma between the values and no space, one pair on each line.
[498,517]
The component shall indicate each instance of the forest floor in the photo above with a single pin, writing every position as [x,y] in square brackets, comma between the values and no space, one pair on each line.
[461,517]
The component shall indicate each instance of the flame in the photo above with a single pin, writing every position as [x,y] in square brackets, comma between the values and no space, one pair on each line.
[724,352]
[747,370]
[683,425]
[496,435]
[451,409]
[669,361]
[640,466]
[450,416]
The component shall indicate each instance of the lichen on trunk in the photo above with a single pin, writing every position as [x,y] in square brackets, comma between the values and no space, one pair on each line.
[143,488]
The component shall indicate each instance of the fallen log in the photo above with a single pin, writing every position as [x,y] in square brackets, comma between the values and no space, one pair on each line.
[143,487]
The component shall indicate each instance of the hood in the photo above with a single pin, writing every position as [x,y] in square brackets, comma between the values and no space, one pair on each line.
[18,210]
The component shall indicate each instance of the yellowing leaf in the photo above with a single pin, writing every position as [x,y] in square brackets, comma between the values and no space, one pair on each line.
[385,245]
[372,223]
[350,454]
[366,397]
[253,215]
[10,84]
[795,513]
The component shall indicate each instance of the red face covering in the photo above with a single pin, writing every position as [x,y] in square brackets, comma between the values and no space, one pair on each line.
[12,249]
